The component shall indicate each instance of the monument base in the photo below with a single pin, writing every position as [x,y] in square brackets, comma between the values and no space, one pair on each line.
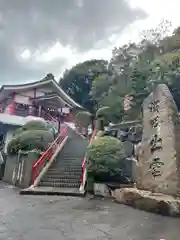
[159,203]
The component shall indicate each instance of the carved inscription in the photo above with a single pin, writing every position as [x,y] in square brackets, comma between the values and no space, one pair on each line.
[156,143]
[154,122]
[154,106]
[155,167]
[156,140]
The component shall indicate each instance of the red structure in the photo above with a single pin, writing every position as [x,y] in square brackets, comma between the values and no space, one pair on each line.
[42,99]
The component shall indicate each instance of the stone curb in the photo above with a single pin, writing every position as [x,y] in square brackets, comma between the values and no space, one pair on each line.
[61,192]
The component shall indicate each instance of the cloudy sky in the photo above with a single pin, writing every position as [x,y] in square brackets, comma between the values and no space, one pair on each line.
[42,36]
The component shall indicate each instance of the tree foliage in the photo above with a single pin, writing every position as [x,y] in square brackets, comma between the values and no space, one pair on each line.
[77,81]
[83,118]
[134,70]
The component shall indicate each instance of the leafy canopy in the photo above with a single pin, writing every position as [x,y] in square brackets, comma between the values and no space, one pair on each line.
[134,70]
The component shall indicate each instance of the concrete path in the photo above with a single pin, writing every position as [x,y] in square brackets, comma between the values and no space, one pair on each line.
[70,218]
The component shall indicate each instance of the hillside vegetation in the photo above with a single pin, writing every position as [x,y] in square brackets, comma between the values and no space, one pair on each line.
[134,70]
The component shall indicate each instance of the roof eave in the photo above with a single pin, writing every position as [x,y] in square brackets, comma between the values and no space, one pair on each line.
[57,97]
[41,83]
[73,103]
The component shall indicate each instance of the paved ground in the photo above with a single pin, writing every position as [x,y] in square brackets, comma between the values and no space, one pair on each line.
[59,218]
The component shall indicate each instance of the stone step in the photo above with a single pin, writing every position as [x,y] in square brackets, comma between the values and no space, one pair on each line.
[71,156]
[60,185]
[61,173]
[71,159]
[68,162]
[64,173]
[60,176]
[79,160]
[62,180]
[43,190]
[69,166]
[66,169]
[75,163]
[64,155]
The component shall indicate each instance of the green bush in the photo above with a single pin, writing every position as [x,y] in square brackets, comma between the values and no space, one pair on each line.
[33,135]
[30,140]
[13,146]
[31,125]
[18,132]
[83,118]
[99,134]
[104,156]
[52,128]
[35,125]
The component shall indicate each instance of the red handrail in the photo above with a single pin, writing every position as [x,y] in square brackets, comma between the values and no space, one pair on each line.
[84,160]
[48,117]
[46,156]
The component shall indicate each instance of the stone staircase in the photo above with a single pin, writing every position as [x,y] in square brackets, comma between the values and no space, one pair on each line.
[64,173]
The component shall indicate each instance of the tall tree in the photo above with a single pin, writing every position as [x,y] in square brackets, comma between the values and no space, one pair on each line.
[134,70]
[77,81]
[153,36]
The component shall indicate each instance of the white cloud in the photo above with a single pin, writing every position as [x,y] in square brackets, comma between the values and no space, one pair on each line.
[58,51]
[156,10]
[26,54]
[79,3]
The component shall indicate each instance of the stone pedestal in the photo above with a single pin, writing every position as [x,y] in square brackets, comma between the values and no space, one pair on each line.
[151,202]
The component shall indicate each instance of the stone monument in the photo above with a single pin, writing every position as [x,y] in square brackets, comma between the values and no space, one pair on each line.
[159,152]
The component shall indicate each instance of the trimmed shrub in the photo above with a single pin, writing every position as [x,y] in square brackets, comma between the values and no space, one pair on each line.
[35,125]
[52,128]
[31,125]
[83,118]
[34,134]
[103,112]
[99,134]
[13,146]
[104,157]
[18,132]
[30,140]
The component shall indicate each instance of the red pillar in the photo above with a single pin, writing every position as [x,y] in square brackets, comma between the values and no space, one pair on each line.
[12,106]
[33,105]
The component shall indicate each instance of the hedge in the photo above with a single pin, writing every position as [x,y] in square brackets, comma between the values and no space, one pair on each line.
[33,135]
[29,140]
[104,156]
